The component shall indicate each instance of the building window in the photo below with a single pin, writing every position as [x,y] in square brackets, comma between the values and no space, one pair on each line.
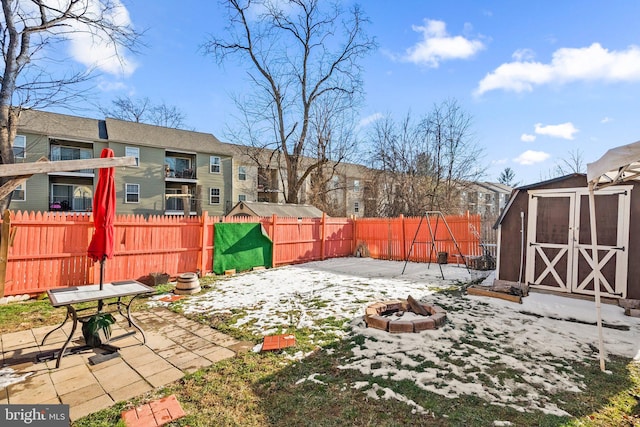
[214,196]
[20,147]
[242,173]
[242,197]
[356,207]
[214,164]
[178,167]
[132,193]
[133,152]
[69,197]
[61,152]
[356,185]
[335,181]
[19,194]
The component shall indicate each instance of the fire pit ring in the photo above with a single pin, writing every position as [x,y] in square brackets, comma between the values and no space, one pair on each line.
[431,316]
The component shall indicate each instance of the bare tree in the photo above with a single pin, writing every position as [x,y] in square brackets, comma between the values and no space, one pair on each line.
[30,33]
[425,164]
[142,110]
[302,58]
[572,164]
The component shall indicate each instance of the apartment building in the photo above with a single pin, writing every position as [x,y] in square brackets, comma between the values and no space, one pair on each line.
[484,198]
[168,162]
[214,174]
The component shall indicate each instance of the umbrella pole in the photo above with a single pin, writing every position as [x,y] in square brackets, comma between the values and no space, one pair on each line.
[101,282]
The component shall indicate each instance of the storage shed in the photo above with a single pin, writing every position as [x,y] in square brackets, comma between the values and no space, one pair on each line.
[265,209]
[544,237]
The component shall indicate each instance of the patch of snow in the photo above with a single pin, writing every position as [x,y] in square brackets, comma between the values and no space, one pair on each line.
[8,377]
[536,342]
[311,378]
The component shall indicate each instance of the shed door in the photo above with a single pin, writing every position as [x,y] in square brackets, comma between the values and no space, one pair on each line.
[559,255]
[550,247]
[612,219]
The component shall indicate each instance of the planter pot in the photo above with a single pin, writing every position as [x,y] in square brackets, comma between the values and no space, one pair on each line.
[96,329]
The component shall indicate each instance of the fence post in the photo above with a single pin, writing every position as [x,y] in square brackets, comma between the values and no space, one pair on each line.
[273,239]
[403,238]
[322,235]
[4,249]
[354,233]
[203,241]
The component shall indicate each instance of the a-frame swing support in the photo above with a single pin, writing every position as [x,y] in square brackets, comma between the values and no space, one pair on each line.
[432,233]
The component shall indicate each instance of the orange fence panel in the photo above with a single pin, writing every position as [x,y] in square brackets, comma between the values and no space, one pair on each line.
[49,249]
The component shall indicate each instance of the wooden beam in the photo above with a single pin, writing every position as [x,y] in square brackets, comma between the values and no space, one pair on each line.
[22,169]
[5,234]
[471,290]
[13,183]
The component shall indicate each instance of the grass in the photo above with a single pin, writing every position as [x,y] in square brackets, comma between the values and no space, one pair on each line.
[257,389]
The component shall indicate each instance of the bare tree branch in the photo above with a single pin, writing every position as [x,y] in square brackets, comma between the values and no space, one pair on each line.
[423,164]
[297,58]
[29,32]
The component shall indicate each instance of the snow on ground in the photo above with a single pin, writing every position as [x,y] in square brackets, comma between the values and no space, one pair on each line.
[9,376]
[535,341]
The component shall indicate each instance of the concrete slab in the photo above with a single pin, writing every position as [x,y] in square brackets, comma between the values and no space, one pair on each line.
[165,377]
[175,346]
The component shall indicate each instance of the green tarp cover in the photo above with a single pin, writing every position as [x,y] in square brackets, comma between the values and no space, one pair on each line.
[240,246]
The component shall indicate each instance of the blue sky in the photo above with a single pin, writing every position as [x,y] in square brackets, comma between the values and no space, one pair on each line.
[539,78]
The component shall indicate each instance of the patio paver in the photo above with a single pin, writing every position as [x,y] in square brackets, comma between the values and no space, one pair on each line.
[175,346]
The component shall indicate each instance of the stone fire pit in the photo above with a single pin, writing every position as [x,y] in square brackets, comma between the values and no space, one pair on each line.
[391,316]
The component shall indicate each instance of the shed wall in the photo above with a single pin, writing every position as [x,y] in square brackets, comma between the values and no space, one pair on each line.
[510,251]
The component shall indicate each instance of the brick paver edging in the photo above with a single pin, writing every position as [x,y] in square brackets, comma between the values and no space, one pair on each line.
[156,413]
[376,316]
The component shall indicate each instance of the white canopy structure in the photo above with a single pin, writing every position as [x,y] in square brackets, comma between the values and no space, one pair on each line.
[618,165]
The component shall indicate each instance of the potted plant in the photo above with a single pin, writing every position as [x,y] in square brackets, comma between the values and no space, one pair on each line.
[96,329]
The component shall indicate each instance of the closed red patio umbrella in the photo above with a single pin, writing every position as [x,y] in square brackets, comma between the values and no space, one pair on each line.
[104,212]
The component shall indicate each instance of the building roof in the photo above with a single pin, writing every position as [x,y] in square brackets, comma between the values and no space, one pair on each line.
[168,138]
[61,125]
[265,209]
[64,126]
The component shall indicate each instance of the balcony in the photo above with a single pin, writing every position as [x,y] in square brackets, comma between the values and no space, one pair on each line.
[60,152]
[179,168]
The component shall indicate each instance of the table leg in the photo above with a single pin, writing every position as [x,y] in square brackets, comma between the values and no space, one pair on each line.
[132,323]
[119,304]
[53,330]
[70,311]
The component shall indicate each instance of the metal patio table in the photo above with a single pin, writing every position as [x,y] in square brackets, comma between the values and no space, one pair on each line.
[68,297]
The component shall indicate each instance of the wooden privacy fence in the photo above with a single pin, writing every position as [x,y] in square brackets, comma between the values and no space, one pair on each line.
[419,239]
[49,250]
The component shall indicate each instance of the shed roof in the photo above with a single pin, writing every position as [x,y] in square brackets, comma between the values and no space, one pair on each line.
[535,185]
[265,209]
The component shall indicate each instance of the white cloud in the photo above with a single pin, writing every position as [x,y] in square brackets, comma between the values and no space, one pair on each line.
[531,157]
[523,55]
[606,120]
[499,161]
[593,63]
[111,86]
[563,130]
[437,45]
[527,137]
[95,51]
[365,121]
